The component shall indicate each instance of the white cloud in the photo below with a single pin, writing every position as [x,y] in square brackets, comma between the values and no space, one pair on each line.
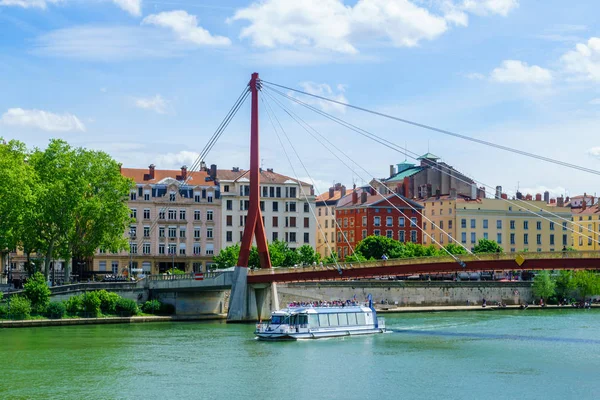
[324,90]
[133,7]
[595,102]
[332,25]
[176,160]
[583,63]
[594,151]
[486,7]
[186,27]
[475,76]
[29,3]
[514,71]
[156,103]
[42,120]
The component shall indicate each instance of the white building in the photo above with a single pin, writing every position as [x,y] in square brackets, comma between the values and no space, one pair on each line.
[287,207]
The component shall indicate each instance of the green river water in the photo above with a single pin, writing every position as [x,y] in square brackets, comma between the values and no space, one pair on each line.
[544,354]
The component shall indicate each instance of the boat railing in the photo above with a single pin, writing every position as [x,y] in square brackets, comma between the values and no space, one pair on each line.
[381,322]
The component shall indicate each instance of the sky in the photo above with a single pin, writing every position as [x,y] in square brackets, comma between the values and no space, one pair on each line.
[149,82]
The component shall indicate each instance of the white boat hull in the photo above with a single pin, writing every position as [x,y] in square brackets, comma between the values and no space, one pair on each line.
[317,334]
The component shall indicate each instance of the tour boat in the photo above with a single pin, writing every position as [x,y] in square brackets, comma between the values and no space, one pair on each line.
[294,323]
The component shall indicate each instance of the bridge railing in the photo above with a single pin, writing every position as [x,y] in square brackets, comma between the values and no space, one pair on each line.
[183,277]
[429,260]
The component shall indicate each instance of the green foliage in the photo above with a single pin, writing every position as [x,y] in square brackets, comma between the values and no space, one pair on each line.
[587,283]
[56,310]
[307,255]
[543,285]
[1,296]
[127,307]
[90,303]
[74,304]
[376,246]
[108,301]
[3,311]
[565,284]
[152,307]
[487,246]
[455,249]
[20,307]
[332,258]
[37,291]
[227,257]
[175,271]
[355,257]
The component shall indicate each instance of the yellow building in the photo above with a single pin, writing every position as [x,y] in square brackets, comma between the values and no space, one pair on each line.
[510,223]
[586,224]
[326,227]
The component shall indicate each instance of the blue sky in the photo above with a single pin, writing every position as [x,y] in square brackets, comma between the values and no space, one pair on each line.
[149,81]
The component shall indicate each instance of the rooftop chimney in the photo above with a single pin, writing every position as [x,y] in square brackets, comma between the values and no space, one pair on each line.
[519,196]
[354,197]
[437,194]
[528,197]
[343,191]
[547,197]
[538,197]
[184,172]
[202,166]
[481,193]
[504,196]
[392,171]
[363,197]
[213,171]
[331,192]
[552,201]
[372,191]
[498,192]
[583,205]
[560,202]
[151,171]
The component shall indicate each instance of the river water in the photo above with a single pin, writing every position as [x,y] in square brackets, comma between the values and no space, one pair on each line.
[549,354]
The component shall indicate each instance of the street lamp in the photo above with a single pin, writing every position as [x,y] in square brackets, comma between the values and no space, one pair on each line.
[131,235]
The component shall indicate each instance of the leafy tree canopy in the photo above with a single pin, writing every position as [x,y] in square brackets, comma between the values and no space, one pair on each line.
[543,285]
[487,246]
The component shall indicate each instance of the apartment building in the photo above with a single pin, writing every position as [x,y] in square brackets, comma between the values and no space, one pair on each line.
[366,213]
[287,207]
[586,226]
[176,222]
[325,230]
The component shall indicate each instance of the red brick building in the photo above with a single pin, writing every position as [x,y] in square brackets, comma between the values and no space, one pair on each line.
[365,213]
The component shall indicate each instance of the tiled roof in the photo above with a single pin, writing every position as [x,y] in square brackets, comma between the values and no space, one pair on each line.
[588,210]
[428,156]
[402,174]
[265,176]
[336,195]
[373,200]
[138,175]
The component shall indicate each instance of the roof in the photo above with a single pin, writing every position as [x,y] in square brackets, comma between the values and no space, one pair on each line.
[266,176]
[428,156]
[403,174]
[138,175]
[337,194]
[588,211]
[373,200]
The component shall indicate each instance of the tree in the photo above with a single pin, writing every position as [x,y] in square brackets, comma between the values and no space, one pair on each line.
[37,291]
[487,246]
[227,257]
[454,249]
[543,285]
[565,284]
[307,255]
[376,246]
[587,283]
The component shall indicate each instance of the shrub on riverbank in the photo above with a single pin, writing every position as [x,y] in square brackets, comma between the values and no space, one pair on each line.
[56,310]
[37,291]
[91,304]
[73,305]
[20,307]
[126,307]
[151,307]
[108,301]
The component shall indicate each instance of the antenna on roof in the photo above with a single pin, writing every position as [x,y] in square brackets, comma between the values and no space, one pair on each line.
[405,159]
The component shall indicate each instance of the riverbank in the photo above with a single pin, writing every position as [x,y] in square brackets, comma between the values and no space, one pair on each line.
[29,323]
[383,309]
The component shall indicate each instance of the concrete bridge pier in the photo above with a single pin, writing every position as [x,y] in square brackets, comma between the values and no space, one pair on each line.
[250,302]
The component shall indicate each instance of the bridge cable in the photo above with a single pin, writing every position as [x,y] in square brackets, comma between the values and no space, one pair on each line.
[375,189]
[331,251]
[445,132]
[202,156]
[406,152]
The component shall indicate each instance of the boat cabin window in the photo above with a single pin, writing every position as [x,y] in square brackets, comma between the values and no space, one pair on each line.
[279,319]
[360,317]
[313,320]
[323,320]
[352,319]
[343,318]
[299,319]
[333,320]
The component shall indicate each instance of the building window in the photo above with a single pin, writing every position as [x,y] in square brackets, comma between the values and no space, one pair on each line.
[275,236]
[209,233]
[472,237]
[197,197]
[442,225]
[499,238]
[172,214]
[182,215]
[463,223]
[525,224]
[485,224]
[275,222]
[389,221]
[306,237]
[114,266]
[209,215]
[161,215]
[146,231]
[564,225]
[275,206]
[209,197]
[172,196]
[377,232]
[413,222]
[172,249]
[463,237]
[345,222]
[376,221]
[551,240]
[197,215]
[485,235]
[389,233]
[197,232]
[292,222]
[473,224]
[450,224]
[413,236]
[161,231]
[306,207]
[499,224]
[197,250]
[293,237]
[364,234]
[512,238]
[182,249]
[512,224]
[589,240]
[172,232]
[146,213]
[401,222]
[182,232]
[133,195]
[229,236]
[133,248]
[539,239]
[364,220]
[146,248]
[551,226]
[539,225]
[525,238]
[306,222]
[161,248]
[564,240]
[401,236]
[229,220]
[133,213]
[229,205]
